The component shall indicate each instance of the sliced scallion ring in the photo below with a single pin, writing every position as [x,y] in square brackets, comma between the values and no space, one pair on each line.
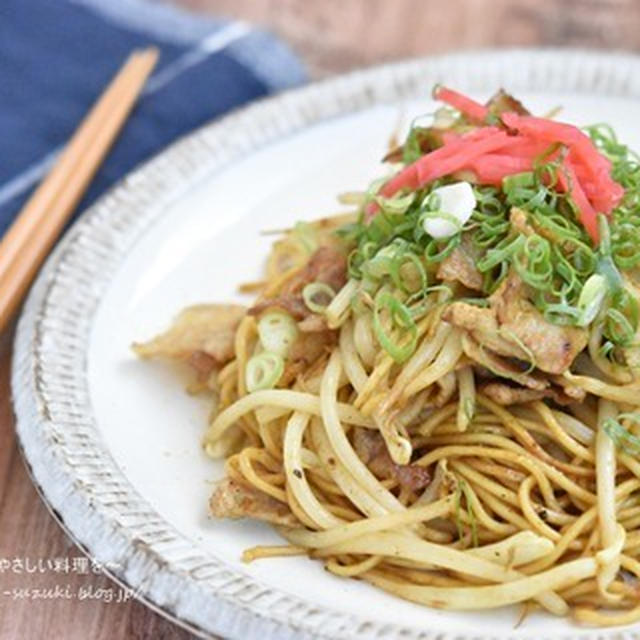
[396,205]
[591,298]
[502,251]
[277,331]
[263,371]
[317,296]
[400,277]
[525,180]
[402,318]
[622,438]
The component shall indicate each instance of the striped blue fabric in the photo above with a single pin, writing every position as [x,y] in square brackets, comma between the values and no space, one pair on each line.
[56,56]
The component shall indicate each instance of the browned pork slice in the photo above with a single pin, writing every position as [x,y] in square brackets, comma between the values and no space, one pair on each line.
[293,304]
[513,327]
[327,265]
[572,392]
[460,266]
[314,323]
[491,364]
[307,350]
[506,394]
[372,450]
[201,334]
[503,102]
[233,499]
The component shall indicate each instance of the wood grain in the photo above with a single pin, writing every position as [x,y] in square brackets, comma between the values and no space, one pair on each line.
[335,35]
[29,532]
[331,36]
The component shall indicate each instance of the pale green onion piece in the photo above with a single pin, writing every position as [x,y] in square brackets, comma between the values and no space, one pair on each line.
[373,189]
[380,265]
[396,205]
[518,181]
[435,216]
[502,251]
[591,298]
[277,331]
[317,296]
[432,202]
[401,318]
[622,438]
[340,308]
[263,371]
[444,118]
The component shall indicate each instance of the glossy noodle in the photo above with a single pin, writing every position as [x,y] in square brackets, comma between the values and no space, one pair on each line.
[439,399]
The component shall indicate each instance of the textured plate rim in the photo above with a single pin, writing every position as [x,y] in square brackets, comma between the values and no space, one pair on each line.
[70,464]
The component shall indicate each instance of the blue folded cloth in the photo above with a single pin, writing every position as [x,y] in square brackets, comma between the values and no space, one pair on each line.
[56,57]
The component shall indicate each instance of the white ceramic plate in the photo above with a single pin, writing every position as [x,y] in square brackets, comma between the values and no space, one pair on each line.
[113,443]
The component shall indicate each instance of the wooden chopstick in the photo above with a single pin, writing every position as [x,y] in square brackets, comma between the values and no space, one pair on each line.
[35,230]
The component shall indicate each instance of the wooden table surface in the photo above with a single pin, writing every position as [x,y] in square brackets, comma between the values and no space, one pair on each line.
[331,35]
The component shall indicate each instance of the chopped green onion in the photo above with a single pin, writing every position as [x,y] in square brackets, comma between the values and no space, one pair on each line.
[445,217]
[606,265]
[263,371]
[354,264]
[607,349]
[373,188]
[431,203]
[501,252]
[582,259]
[433,254]
[395,260]
[350,232]
[557,260]
[277,331]
[396,205]
[622,318]
[412,150]
[493,278]
[625,249]
[532,262]
[591,298]
[317,296]
[400,277]
[622,438]
[518,181]
[623,313]
[560,313]
[401,318]
[379,265]
[557,226]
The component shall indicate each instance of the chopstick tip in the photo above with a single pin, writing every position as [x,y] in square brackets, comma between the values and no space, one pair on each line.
[152,53]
